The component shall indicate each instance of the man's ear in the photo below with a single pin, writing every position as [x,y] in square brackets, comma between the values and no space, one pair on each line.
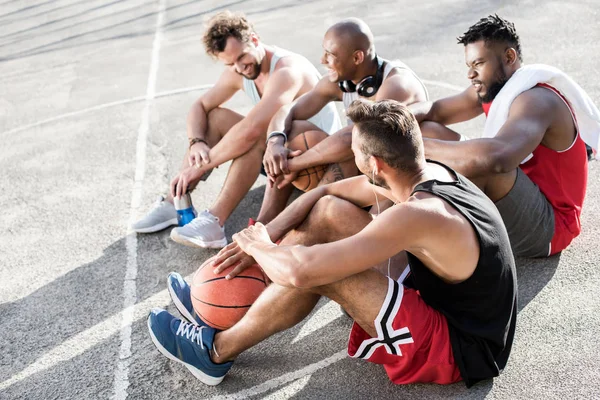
[376,164]
[358,57]
[254,39]
[510,56]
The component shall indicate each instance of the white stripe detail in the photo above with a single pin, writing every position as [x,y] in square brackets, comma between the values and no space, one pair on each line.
[388,325]
[121,380]
[283,379]
[404,274]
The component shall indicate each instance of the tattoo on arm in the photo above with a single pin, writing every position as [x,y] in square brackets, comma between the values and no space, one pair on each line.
[333,174]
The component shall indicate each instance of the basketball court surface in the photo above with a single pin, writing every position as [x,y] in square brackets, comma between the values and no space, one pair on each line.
[93,99]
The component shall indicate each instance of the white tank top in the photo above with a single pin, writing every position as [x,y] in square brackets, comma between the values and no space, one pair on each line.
[327,119]
[348,98]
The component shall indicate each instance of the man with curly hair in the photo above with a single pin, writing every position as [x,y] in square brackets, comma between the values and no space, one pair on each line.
[531,160]
[271,77]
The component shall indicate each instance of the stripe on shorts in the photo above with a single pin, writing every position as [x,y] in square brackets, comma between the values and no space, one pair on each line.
[387,336]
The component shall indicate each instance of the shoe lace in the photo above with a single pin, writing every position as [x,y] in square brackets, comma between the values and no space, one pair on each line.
[203,218]
[191,332]
[159,202]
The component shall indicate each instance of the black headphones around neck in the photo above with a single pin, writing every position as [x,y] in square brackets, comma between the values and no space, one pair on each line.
[369,85]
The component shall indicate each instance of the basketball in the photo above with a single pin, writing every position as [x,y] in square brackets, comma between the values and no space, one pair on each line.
[309,178]
[221,302]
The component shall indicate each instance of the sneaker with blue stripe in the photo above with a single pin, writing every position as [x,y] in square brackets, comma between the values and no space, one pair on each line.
[181,295]
[188,344]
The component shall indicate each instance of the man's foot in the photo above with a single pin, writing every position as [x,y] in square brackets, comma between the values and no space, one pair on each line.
[203,231]
[162,215]
[181,295]
[188,344]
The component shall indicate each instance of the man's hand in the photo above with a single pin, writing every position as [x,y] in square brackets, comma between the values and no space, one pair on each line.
[252,236]
[285,178]
[282,181]
[186,177]
[199,154]
[229,256]
[276,156]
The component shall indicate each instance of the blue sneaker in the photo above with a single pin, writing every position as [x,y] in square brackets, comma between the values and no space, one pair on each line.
[188,344]
[181,296]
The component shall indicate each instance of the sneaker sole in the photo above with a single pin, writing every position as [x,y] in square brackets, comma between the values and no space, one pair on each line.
[157,227]
[201,376]
[191,242]
[180,307]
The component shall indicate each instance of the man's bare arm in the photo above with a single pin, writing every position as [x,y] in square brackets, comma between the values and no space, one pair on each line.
[529,117]
[336,148]
[356,190]
[276,156]
[449,110]
[282,88]
[305,267]
[225,87]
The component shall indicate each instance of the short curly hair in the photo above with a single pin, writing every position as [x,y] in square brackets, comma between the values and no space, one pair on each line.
[221,27]
[493,29]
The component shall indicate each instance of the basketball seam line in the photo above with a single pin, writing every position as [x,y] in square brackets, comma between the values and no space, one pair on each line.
[237,276]
[220,306]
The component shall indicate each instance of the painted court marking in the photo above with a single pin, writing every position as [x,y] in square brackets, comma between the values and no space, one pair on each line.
[121,382]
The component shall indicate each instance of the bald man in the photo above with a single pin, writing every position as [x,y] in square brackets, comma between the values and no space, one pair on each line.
[355,71]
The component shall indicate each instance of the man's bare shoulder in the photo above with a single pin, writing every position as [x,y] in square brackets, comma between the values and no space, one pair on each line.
[538,98]
[230,78]
[296,62]
[402,85]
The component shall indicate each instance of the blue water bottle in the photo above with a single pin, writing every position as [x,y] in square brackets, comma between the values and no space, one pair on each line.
[185,210]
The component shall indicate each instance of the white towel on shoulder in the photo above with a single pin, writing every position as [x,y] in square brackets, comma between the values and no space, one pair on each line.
[528,76]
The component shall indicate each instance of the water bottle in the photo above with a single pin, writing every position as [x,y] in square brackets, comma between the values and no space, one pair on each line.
[185,210]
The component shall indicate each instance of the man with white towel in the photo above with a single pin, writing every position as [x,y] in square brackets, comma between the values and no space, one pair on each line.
[531,160]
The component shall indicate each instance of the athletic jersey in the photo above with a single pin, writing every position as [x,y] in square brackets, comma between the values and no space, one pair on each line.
[349,97]
[562,178]
[327,119]
[481,311]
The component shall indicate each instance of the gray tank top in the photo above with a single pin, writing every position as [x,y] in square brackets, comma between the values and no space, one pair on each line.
[327,119]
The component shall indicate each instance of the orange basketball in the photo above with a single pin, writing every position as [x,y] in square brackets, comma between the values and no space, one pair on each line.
[221,302]
[309,178]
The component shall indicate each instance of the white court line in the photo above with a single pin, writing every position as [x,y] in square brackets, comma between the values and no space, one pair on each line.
[121,382]
[164,94]
[444,85]
[283,379]
[106,105]
[324,315]
[83,341]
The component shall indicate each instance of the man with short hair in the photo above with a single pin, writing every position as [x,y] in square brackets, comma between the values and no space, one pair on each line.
[271,77]
[457,322]
[355,71]
[531,160]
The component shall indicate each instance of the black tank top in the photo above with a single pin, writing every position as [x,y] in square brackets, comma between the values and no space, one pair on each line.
[481,311]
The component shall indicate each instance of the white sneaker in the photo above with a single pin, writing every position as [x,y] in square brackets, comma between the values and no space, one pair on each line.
[162,215]
[203,231]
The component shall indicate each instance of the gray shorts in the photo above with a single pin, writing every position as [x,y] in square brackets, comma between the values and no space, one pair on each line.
[529,218]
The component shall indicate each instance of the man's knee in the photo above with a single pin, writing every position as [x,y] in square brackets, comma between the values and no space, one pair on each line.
[330,208]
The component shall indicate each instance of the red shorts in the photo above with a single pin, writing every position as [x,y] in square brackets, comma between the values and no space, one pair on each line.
[412,343]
